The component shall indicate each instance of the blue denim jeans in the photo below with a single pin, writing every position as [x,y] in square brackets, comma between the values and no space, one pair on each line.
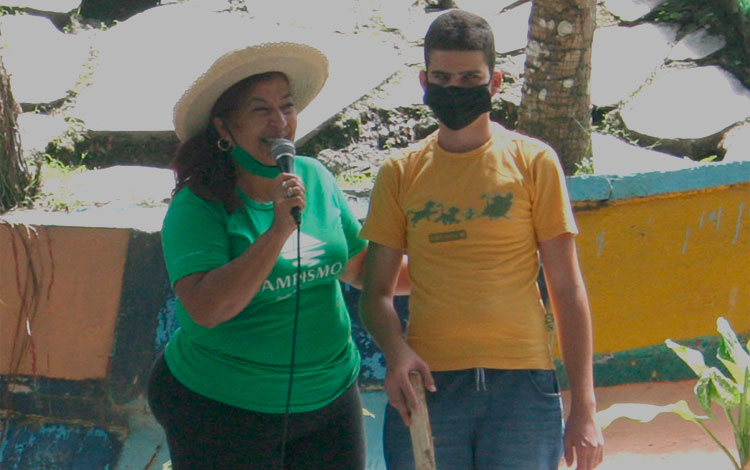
[486,419]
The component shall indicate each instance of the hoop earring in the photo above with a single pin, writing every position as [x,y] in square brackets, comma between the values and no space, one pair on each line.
[224,145]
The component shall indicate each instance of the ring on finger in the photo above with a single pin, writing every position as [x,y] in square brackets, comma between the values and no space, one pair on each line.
[284,184]
[290,192]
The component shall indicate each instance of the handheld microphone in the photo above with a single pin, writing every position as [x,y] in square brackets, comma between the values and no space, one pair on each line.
[283,152]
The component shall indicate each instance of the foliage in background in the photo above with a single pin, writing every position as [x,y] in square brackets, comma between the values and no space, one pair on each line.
[713,387]
[16,182]
[728,18]
[584,167]
[55,190]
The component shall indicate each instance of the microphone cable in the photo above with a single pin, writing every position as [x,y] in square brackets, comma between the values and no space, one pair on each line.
[285,431]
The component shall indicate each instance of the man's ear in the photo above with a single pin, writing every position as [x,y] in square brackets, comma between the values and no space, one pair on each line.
[423,79]
[496,82]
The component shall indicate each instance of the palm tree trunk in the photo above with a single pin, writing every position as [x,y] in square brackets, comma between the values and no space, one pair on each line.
[556,105]
[14,175]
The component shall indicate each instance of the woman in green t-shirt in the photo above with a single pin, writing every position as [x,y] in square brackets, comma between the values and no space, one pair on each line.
[262,371]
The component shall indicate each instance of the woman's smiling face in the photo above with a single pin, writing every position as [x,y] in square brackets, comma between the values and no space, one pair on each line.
[266,112]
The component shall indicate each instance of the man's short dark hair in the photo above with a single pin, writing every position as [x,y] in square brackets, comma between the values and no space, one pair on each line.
[458,30]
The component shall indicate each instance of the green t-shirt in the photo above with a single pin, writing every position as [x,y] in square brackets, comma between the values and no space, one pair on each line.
[244,362]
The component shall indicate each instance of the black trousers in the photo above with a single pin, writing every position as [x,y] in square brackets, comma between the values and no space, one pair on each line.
[206,434]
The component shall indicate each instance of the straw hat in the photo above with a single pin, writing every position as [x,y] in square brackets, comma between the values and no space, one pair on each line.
[305,66]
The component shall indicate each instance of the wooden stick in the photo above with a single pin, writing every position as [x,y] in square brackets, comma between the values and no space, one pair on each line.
[421,433]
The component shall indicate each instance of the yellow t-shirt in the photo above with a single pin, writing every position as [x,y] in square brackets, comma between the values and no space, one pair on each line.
[470,224]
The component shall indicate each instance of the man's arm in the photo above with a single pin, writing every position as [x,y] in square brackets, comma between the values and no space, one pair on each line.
[583,439]
[379,317]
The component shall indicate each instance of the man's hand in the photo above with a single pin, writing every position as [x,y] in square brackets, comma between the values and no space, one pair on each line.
[397,385]
[584,443]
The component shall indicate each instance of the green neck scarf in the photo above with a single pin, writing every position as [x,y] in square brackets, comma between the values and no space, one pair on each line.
[249,163]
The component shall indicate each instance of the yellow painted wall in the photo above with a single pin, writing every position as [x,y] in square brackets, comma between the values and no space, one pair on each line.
[667,266]
[58,319]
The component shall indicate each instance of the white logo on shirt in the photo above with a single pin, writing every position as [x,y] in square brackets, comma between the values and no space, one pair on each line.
[311,249]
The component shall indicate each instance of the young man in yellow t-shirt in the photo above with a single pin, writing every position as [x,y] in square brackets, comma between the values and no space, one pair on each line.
[474,206]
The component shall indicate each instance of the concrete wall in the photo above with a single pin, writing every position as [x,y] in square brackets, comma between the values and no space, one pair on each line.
[663,256]
[85,306]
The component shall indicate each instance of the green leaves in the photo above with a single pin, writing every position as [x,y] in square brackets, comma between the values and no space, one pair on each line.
[713,387]
[690,356]
[644,413]
[742,428]
[731,353]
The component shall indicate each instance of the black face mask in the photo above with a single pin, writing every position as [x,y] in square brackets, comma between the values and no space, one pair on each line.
[457,107]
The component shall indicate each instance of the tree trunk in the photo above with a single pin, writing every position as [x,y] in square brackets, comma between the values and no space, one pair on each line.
[556,105]
[14,175]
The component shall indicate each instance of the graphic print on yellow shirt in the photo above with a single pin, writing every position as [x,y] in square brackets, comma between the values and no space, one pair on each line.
[497,205]
[471,224]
